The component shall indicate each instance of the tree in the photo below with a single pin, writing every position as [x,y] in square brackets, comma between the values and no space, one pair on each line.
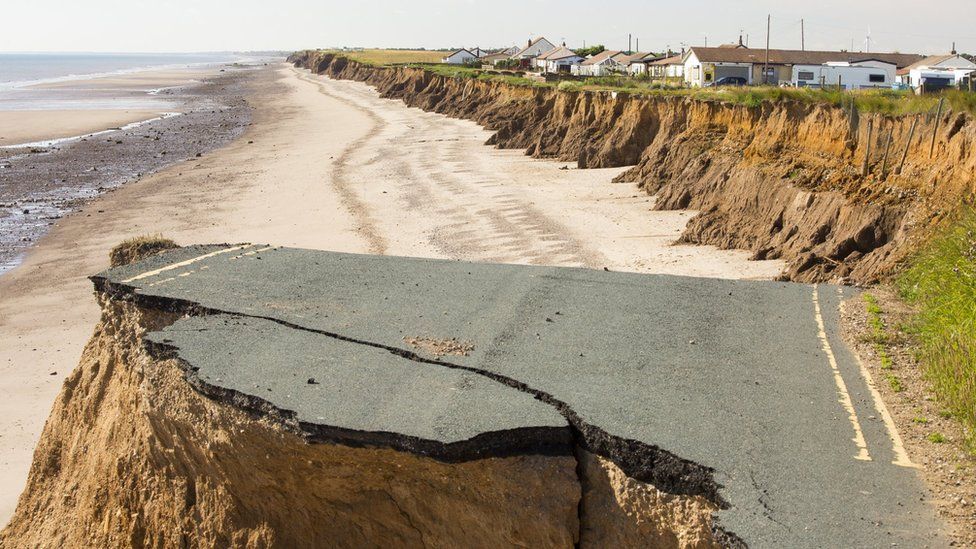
[592,50]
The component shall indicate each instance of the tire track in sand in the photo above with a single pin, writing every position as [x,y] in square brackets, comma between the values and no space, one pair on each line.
[342,183]
[466,207]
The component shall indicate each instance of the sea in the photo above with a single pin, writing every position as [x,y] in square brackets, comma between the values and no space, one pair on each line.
[25,69]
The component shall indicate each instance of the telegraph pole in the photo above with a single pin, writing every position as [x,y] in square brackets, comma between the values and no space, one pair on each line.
[766,62]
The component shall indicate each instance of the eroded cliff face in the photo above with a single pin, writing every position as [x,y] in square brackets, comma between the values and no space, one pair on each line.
[784,180]
[133,455]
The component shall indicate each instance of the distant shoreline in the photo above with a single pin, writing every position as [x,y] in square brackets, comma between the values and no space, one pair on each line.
[53,161]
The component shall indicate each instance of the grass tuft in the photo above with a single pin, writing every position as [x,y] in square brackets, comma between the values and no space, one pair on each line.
[941,283]
[141,247]
[937,438]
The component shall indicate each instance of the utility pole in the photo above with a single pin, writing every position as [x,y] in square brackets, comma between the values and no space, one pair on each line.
[803,38]
[629,42]
[766,62]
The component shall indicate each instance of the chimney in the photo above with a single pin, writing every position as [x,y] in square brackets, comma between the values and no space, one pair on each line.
[529,43]
[953,48]
[740,40]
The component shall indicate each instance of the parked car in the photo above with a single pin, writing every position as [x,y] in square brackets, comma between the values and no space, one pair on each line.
[729,81]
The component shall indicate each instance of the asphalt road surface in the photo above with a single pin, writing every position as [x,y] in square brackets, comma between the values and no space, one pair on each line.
[741,391]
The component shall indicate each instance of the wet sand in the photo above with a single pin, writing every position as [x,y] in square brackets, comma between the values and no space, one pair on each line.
[17,127]
[145,94]
[326,165]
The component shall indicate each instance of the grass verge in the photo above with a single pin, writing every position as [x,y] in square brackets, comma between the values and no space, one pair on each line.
[879,338]
[941,284]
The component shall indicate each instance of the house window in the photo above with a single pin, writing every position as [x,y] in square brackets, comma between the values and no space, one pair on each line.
[876,78]
[804,75]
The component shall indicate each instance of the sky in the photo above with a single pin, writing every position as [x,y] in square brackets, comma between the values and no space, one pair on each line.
[239,25]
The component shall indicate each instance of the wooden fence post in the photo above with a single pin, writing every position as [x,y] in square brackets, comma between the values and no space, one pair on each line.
[867,149]
[935,130]
[908,145]
[884,158]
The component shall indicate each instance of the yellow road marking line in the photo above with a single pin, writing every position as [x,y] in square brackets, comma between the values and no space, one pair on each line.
[901,455]
[844,397]
[252,252]
[184,263]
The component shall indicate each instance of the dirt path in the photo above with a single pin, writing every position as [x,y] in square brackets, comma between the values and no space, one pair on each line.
[327,165]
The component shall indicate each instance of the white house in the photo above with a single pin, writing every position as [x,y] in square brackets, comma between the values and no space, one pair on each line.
[561,59]
[601,64]
[459,57]
[534,49]
[671,67]
[702,66]
[870,73]
[639,62]
[936,72]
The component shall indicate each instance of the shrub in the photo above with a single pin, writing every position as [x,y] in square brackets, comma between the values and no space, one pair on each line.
[135,249]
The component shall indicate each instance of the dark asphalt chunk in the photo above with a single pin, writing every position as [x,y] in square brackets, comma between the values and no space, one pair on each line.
[340,391]
[750,414]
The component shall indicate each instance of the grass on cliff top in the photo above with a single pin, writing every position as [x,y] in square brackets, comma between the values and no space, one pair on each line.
[941,283]
[140,247]
[393,57]
[893,102]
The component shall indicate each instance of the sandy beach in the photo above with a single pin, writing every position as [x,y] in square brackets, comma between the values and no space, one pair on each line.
[327,165]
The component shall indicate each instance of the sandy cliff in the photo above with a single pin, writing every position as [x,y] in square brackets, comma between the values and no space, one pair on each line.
[784,180]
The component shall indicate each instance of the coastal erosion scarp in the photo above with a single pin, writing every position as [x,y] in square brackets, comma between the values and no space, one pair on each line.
[813,184]
[251,395]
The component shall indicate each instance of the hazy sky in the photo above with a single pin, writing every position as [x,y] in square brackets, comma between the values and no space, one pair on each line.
[186,25]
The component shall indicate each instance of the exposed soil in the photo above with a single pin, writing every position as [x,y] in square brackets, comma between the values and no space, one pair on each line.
[783,180]
[439,347]
[949,470]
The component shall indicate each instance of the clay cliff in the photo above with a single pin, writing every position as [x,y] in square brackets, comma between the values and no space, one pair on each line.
[783,179]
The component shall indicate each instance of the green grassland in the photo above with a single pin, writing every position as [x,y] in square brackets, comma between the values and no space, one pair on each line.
[392,57]
[941,283]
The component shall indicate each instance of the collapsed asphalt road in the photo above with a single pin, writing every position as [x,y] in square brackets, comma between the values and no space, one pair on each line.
[742,392]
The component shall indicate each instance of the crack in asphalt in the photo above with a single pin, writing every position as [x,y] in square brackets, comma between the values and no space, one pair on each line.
[640,461]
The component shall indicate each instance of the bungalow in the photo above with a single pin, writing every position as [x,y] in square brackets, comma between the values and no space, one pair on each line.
[666,68]
[705,65]
[632,62]
[559,60]
[534,49]
[495,58]
[603,63]
[459,57]
[936,72]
